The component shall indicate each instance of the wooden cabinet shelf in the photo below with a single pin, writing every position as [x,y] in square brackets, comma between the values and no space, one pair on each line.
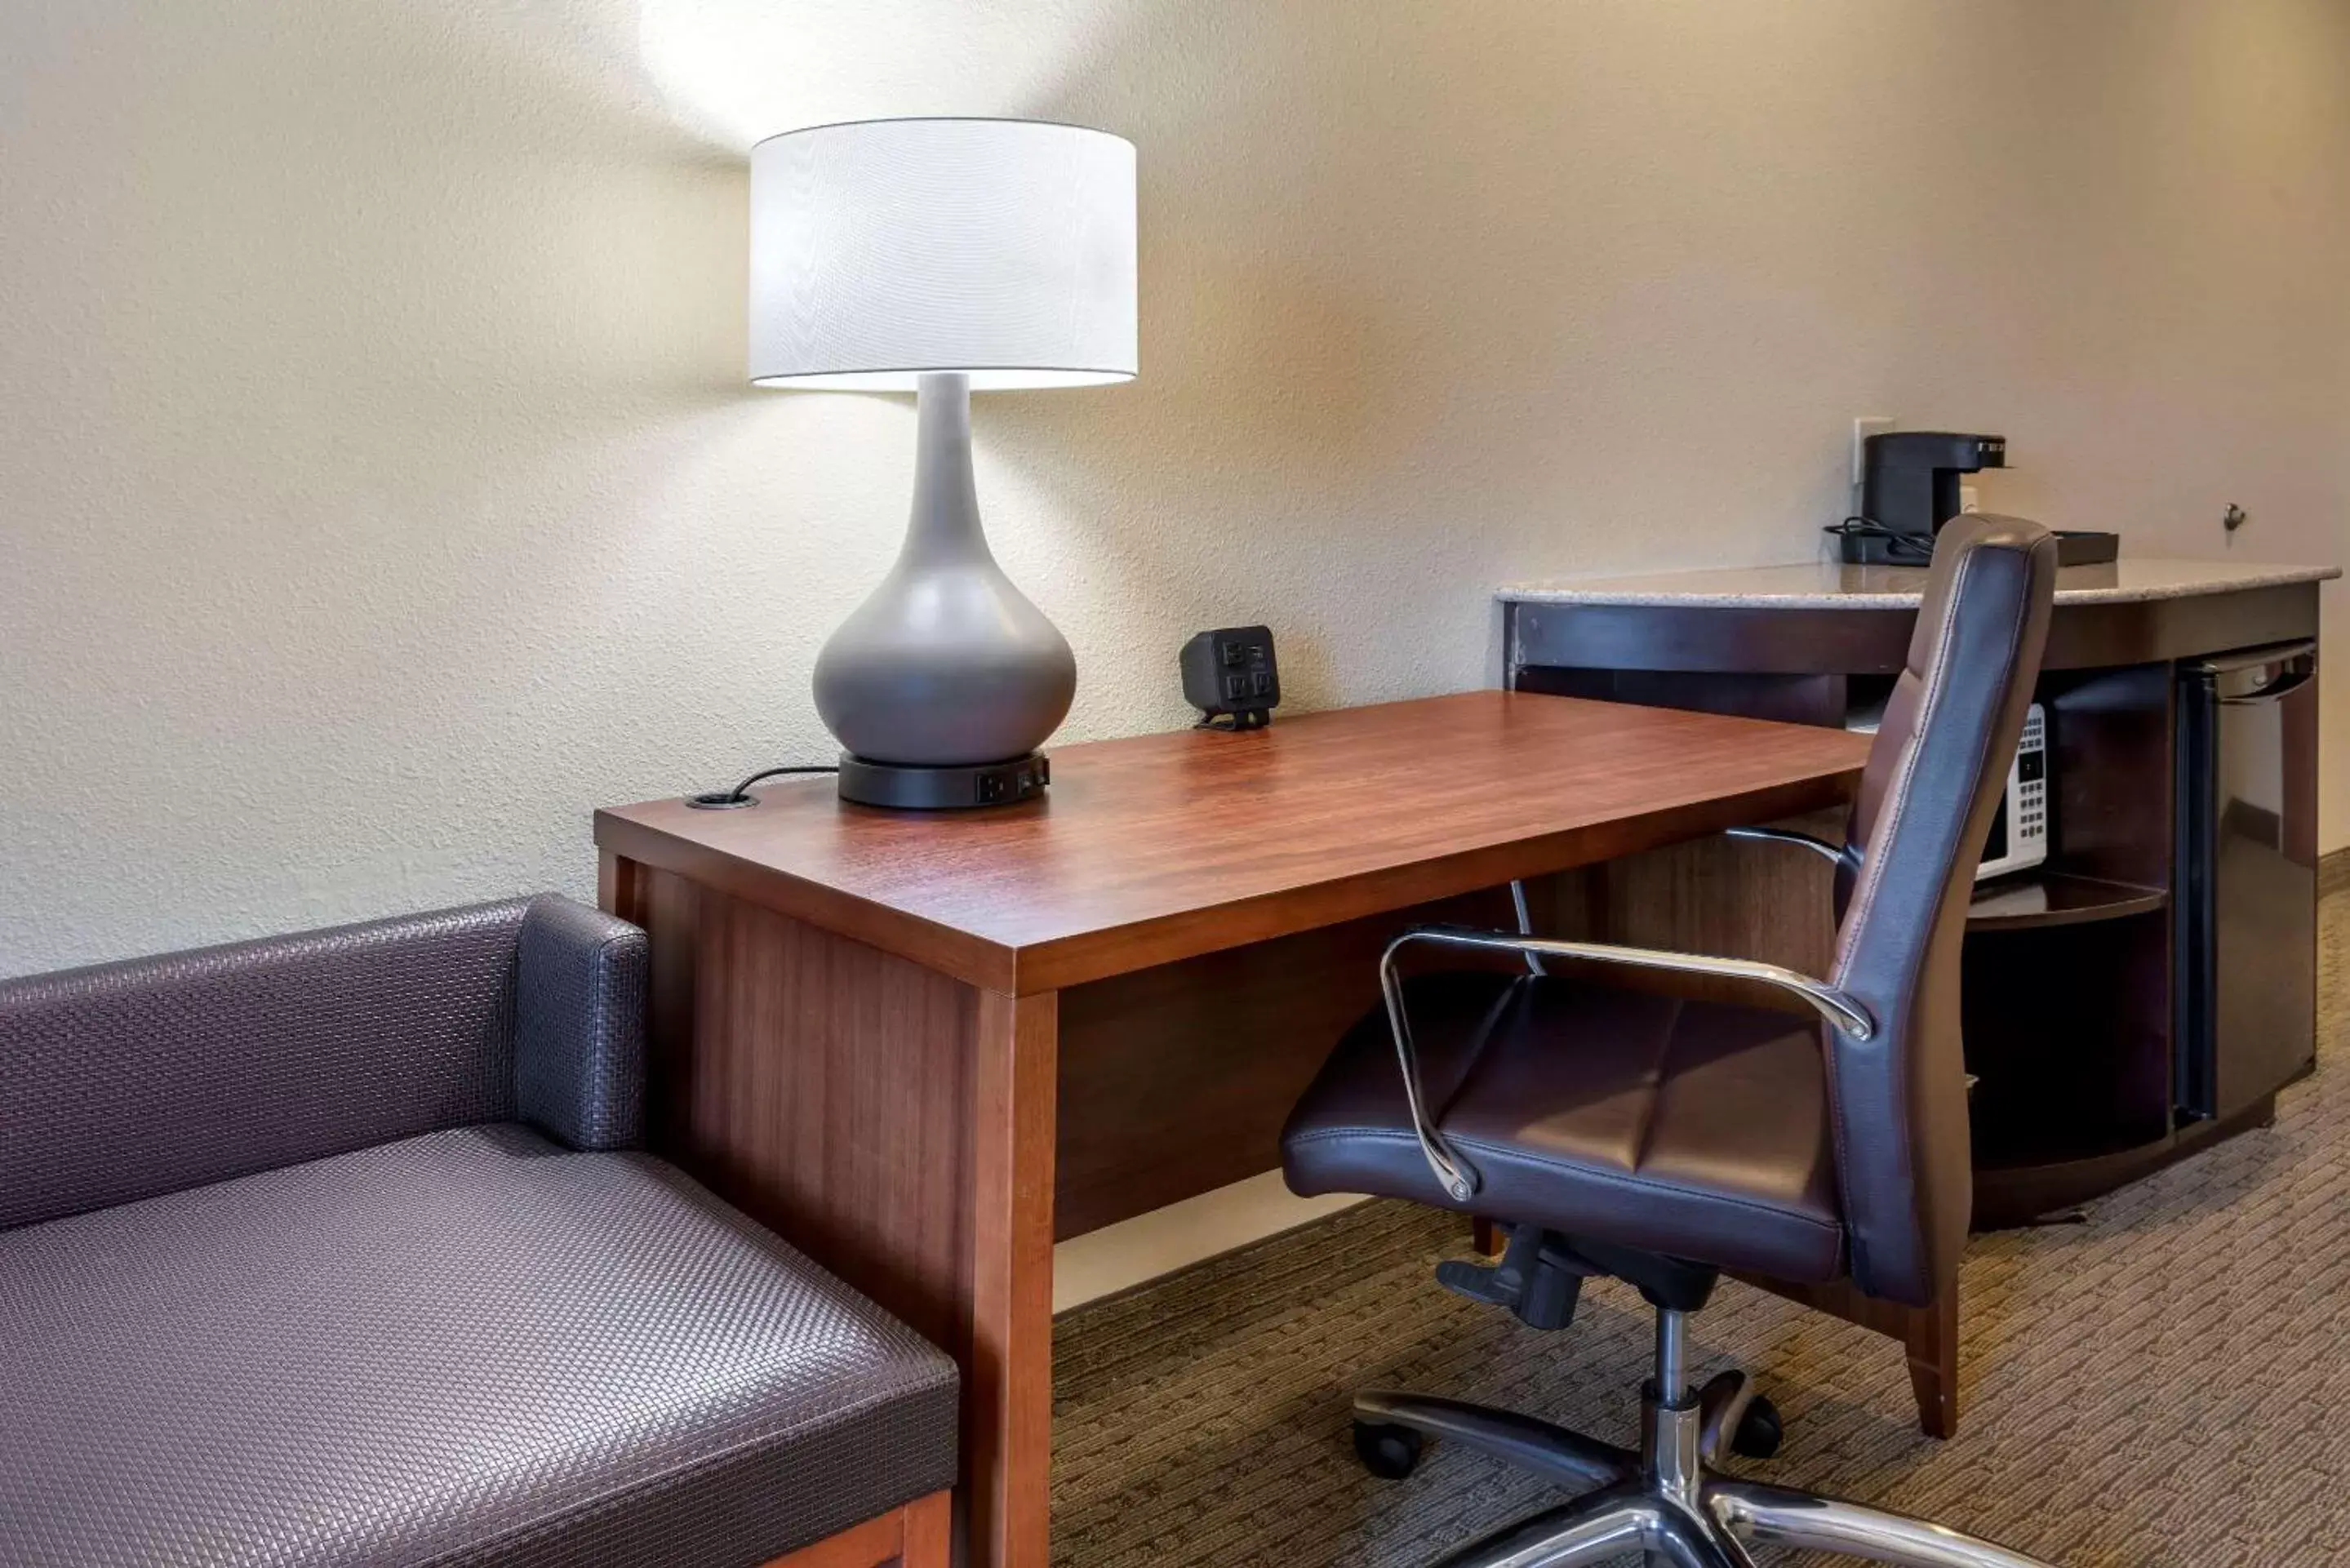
[2036,900]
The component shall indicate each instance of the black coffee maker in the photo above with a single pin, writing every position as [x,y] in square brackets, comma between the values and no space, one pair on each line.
[1908,489]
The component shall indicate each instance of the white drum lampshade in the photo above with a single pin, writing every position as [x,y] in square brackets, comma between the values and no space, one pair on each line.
[942,257]
[1003,249]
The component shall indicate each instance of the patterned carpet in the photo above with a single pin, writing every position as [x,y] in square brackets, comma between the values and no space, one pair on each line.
[2165,1386]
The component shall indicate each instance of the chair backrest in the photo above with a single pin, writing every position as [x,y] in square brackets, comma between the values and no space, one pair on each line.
[1933,782]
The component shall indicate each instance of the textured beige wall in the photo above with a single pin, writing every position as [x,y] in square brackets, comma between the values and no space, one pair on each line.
[379,492]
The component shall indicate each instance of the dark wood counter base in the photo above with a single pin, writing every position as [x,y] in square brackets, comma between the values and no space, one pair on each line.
[2009,1197]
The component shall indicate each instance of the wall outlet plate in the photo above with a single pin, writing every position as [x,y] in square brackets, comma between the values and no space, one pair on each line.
[1863,427]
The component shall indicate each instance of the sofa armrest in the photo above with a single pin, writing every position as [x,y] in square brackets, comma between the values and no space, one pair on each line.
[579,1025]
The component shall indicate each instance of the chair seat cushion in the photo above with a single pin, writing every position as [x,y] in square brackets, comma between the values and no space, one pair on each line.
[1697,1129]
[469,1347]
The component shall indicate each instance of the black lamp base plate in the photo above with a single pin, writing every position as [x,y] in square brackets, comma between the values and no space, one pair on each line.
[911,788]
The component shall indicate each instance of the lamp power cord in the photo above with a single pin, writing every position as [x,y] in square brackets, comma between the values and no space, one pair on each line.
[740,795]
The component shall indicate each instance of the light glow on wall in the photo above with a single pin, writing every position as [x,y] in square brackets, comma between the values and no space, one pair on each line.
[737,71]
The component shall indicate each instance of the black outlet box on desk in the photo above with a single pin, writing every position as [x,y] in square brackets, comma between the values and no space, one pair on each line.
[1231,674]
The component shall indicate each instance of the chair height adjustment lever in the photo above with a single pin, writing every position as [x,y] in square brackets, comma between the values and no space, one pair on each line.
[1538,1278]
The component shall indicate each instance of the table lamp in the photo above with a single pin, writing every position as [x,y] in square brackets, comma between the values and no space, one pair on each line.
[942,257]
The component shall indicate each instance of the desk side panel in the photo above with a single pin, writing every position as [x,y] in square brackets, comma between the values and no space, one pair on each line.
[893,1123]
[823,1086]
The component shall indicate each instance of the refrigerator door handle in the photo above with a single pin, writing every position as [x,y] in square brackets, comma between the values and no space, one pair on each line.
[2259,674]
[2292,679]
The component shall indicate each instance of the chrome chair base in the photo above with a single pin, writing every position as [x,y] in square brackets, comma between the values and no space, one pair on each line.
[1662,1501]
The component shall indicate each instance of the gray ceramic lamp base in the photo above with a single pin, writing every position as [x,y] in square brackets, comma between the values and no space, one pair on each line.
[947,666]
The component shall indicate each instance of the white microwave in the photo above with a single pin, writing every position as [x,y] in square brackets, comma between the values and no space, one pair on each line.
[2018,829]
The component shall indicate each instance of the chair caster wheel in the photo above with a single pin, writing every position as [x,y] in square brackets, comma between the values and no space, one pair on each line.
[1388,1452]
[1760,1430]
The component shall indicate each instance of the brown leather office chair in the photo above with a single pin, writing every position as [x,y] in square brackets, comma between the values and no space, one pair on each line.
[1661,1139]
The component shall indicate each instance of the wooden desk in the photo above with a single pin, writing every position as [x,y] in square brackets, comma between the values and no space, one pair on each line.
[922,1047]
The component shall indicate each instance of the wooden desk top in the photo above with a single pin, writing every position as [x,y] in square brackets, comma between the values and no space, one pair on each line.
[1160,847]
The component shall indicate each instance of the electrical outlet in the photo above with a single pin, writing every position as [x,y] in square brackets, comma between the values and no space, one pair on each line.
[1970,499]
[1864,427]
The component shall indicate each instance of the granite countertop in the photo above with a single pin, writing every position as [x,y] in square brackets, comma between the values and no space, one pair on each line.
[1827,586]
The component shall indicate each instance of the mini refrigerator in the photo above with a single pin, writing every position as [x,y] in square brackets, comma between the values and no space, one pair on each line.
[2245,900]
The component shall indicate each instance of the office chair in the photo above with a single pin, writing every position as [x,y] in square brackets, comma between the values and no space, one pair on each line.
[1661,1141]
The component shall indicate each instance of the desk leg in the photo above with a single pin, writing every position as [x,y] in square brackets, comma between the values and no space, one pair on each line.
[894,1124]
[1008,1386]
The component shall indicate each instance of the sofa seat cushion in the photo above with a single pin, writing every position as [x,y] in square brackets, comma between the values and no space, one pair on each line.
[469,1347]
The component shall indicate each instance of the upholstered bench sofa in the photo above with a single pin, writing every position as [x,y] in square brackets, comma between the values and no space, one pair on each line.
[329,1250]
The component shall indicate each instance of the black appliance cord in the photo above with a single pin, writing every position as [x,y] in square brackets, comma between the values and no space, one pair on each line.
[1901,546]
[741,794]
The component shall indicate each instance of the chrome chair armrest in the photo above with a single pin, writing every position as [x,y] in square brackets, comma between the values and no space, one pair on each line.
[1844,855]
[1453,1172]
